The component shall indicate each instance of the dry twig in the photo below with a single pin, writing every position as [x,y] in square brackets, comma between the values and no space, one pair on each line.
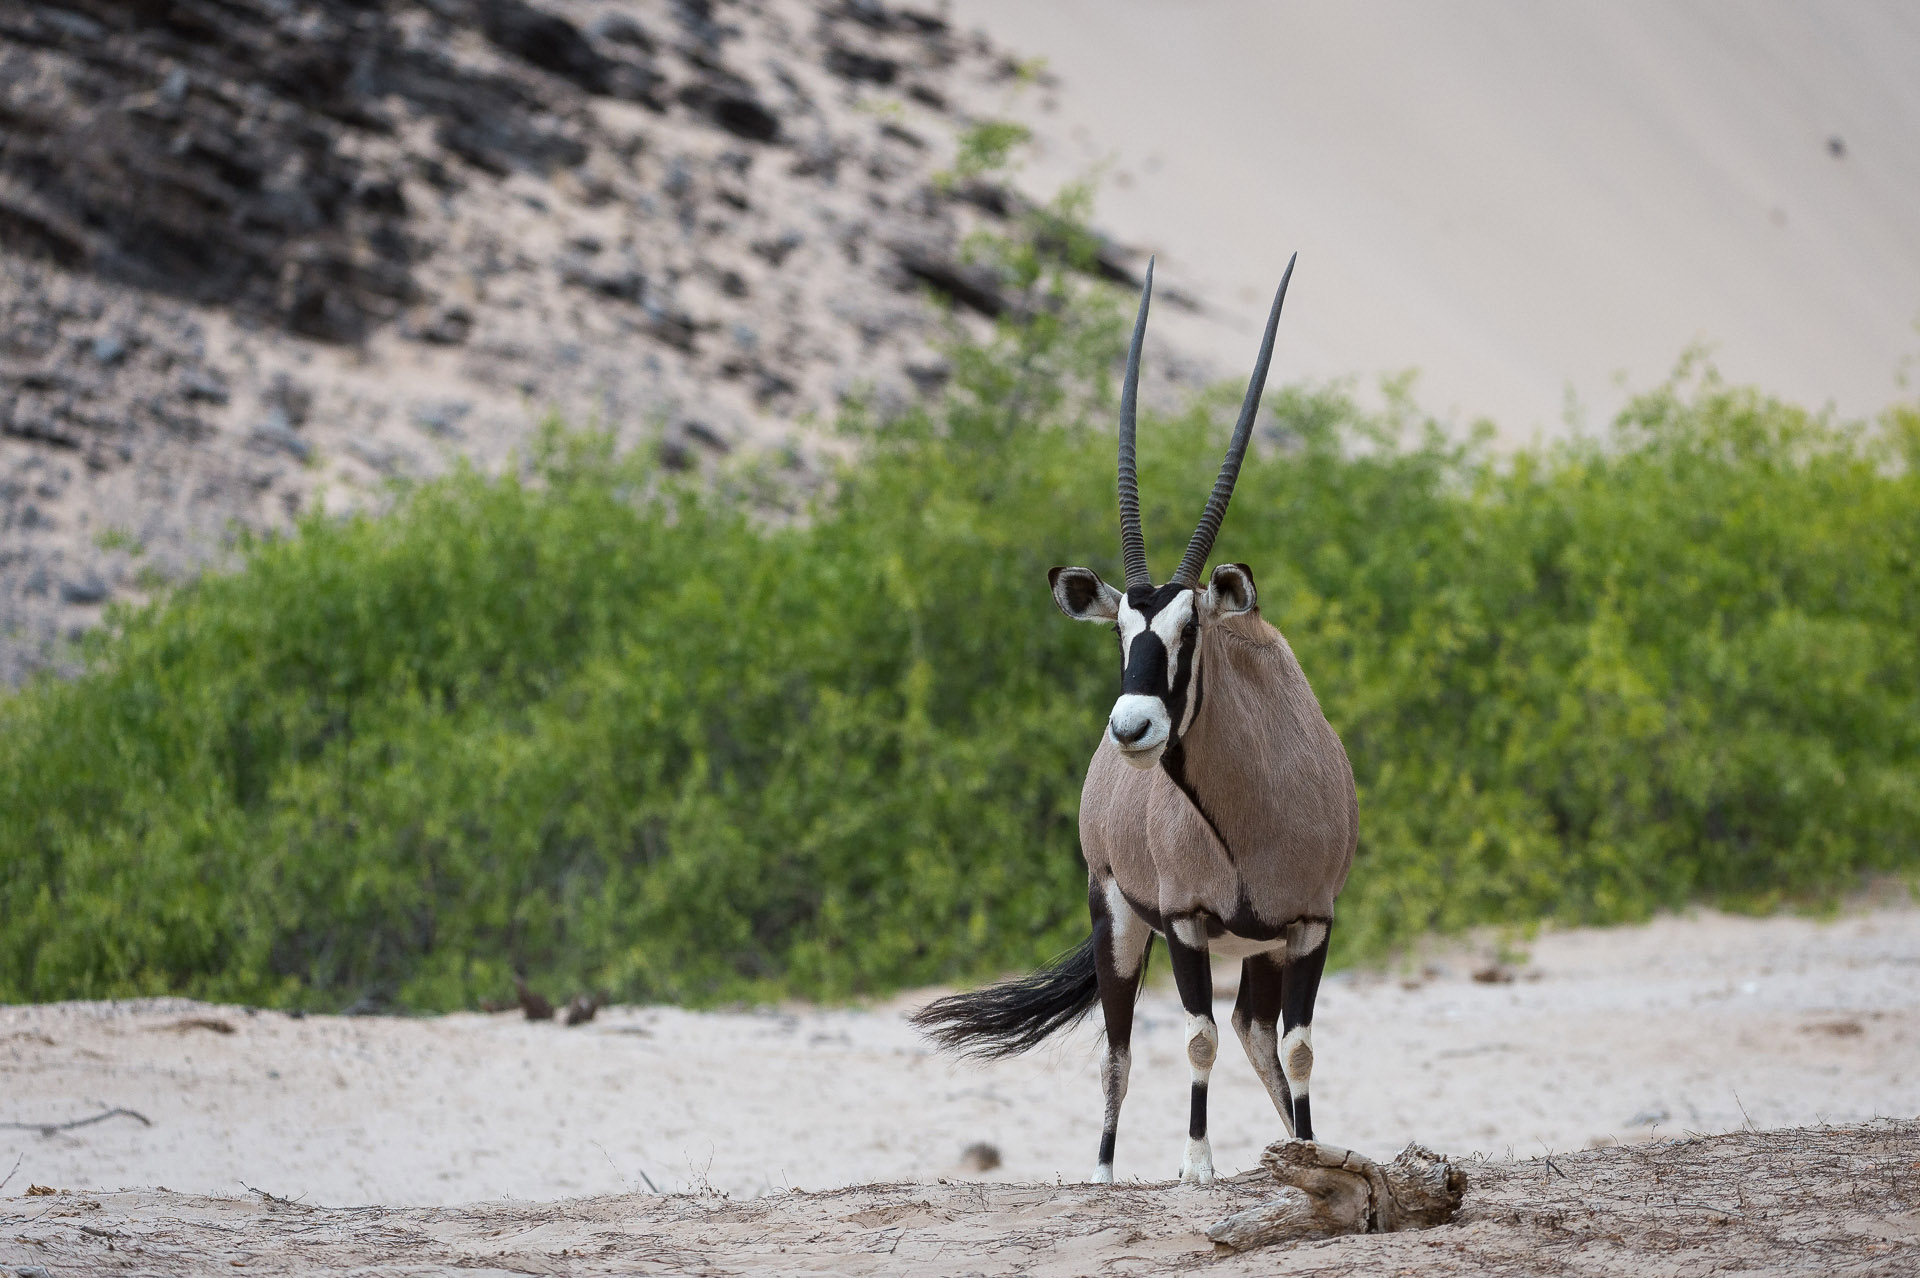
[49,1129]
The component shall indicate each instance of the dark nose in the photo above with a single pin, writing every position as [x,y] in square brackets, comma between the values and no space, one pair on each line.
[1128,738]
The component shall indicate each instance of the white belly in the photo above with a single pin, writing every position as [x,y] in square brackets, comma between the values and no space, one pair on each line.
[1296,941]
[1229,946]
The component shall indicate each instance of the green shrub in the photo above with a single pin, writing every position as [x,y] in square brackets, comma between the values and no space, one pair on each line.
[596,724]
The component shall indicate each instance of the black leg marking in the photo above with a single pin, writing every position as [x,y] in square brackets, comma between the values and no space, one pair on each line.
[1300,984]
[1197,1113]
[1256,1018]
[1193,977]
[1118,990]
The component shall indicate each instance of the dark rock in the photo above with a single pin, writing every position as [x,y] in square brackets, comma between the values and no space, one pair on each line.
[973,287]
[622,29]
[291,398]
[83,589]
[534,1005]
[775,250]
[675,456]
[203,384]
[929,375]
[707,437]
[276,432]
[38,427]
[442,418]
[991,198]
[888,129]
[850,64]
[733,108]
[769,386]
[546,40]
[447,326]
[980,1157]
[674,327]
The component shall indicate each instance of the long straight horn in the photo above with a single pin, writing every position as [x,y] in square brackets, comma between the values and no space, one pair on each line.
[1133,545]
[1188,573]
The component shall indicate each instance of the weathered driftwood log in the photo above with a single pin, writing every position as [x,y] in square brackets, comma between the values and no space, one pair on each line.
[1330,1191]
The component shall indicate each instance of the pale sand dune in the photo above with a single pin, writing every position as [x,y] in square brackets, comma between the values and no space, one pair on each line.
[1518,199]
[1700,1024]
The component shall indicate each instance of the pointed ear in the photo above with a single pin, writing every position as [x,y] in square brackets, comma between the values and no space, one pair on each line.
[1082,595]
[1231,590]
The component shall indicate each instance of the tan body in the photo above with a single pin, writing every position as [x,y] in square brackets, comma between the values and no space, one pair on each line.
[1270,773]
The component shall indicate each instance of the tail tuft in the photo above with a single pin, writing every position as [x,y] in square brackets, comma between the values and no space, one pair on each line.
[1006,1019]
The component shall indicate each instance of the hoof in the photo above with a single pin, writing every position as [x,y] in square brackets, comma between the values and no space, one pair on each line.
[1197,1167]
[1103,1175]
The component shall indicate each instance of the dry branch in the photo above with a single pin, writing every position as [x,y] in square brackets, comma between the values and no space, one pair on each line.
[1332,1191]
[48,1129]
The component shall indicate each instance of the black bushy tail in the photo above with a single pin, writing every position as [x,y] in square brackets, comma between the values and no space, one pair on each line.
[1008,1018]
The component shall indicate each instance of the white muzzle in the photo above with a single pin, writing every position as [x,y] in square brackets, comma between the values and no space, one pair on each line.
[1139,728]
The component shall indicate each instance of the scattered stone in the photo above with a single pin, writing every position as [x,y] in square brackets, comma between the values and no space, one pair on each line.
[974,287]
[204,384]
[478,186]
[864,68]
[532,1002]
[442,418]
[929,374]
[707,436]
[276,432]
[84,590]
[979,1157]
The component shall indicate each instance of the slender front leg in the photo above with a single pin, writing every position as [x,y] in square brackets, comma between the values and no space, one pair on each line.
[1256,1014]
[1120,939]
[1300,983]
[1193,977]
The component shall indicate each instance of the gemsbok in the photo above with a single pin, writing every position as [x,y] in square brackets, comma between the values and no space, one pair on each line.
[1218,812]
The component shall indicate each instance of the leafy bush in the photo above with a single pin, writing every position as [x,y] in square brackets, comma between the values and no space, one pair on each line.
[597,724]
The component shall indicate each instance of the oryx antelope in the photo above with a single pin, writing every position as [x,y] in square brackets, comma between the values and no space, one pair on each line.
[1218,812]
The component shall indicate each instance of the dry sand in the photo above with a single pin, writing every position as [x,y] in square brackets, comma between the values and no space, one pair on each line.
[1515,198]
[1832,1200]
[1702,1024]
[655,1140]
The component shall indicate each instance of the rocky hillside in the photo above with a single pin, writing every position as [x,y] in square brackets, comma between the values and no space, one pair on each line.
[258,253]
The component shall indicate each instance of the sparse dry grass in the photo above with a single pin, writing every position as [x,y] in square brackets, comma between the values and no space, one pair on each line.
[1809,1200]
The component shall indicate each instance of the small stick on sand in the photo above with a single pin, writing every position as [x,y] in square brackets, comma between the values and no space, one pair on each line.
[48,1129]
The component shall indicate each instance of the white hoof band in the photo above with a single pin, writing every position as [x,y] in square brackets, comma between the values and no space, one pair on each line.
[1197,1167]
[1103,1174]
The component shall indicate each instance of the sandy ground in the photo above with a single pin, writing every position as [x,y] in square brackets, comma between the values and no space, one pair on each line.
[1830,1200]
[1702,1024]
[1518,199]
